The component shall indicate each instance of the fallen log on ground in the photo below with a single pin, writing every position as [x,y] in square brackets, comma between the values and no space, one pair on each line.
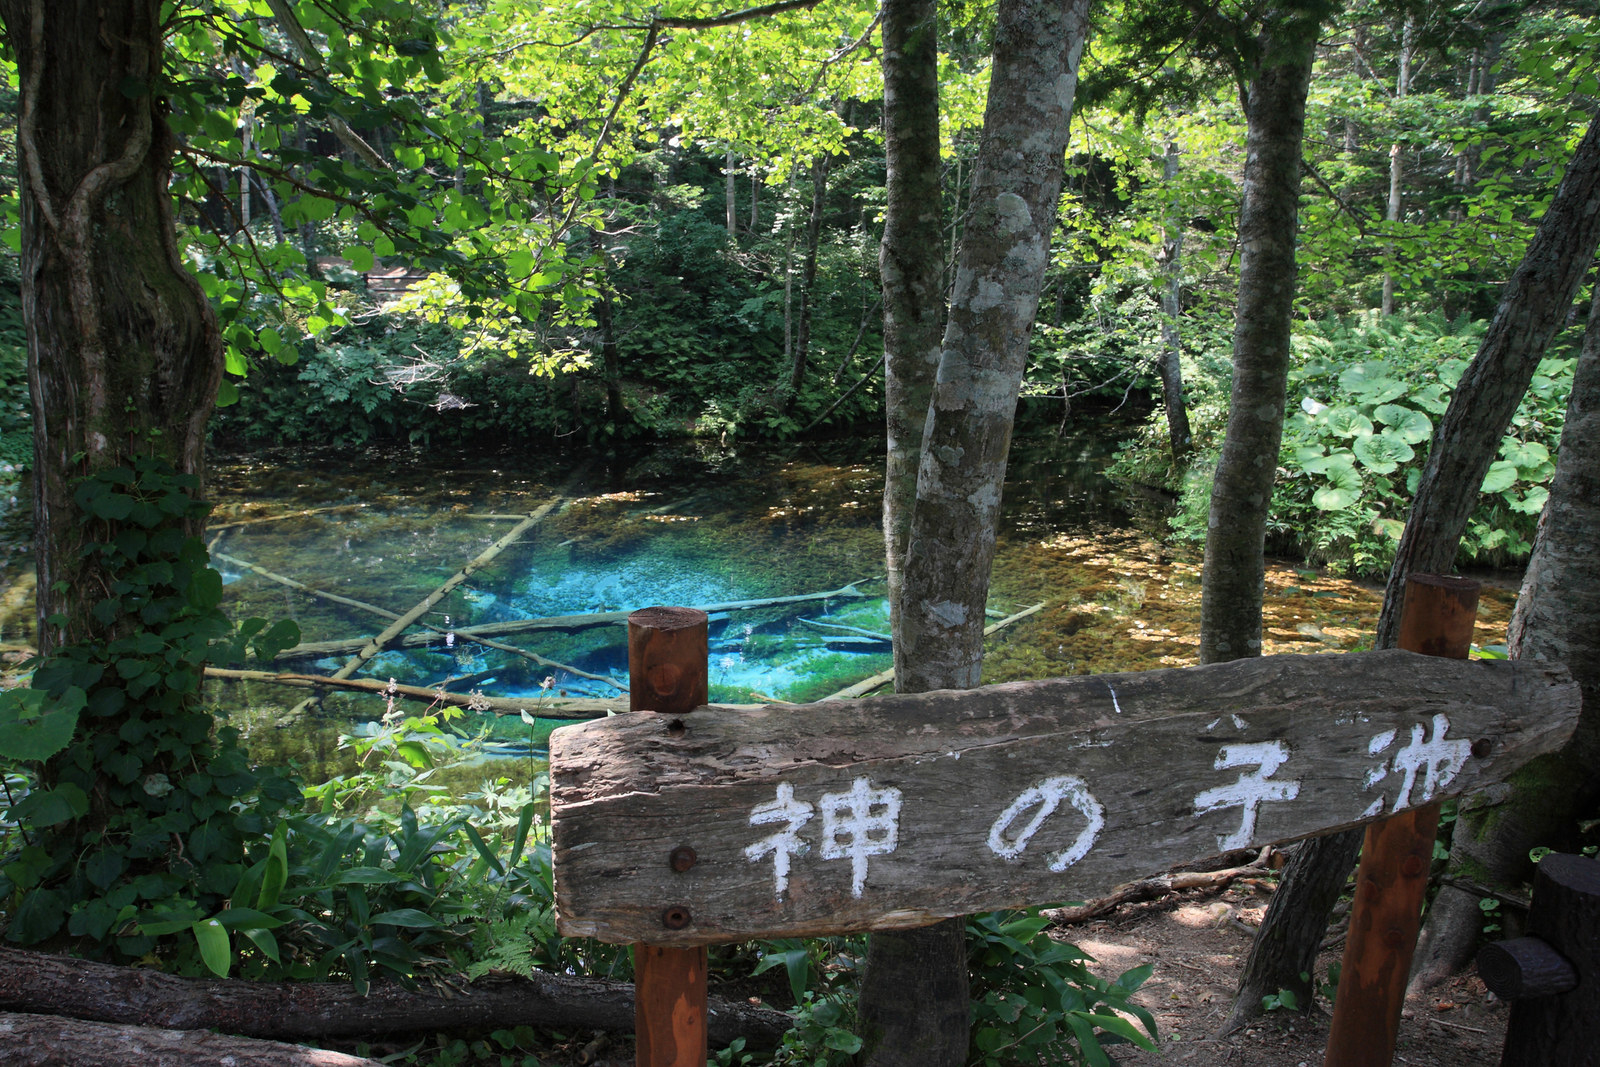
[52,1041]
[1155,888]
[305,1011]
[882,678]
[566,623]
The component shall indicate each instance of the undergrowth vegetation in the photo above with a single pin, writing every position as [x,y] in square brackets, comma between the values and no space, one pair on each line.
[1365,394]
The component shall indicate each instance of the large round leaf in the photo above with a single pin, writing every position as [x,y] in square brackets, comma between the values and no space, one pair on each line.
[1337,461]
[1372,383]
[1527,455]
[1348,422]
[1342,490]
[1382,453]
[1502,476]
[1413,426]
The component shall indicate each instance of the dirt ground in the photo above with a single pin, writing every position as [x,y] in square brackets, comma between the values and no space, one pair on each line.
[1198,944]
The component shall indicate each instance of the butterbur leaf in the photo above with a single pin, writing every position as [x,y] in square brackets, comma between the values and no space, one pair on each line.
[1502,476]
[1382,452]
[1348,422]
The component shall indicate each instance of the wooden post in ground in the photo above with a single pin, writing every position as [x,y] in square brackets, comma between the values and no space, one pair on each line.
[1395,856]
[667,674]
[1552,976]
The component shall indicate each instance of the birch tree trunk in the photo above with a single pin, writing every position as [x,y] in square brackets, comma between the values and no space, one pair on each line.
[1557,619]
[1241,489]
[914,1008]
[1179,436]
[1397,166]
[910,262]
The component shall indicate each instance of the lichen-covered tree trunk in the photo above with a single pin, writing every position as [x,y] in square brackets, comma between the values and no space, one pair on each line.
[1241,489]
[914,993]
[124,357]
[1170,367]
[910,259]
[1532,309]
[1557,619]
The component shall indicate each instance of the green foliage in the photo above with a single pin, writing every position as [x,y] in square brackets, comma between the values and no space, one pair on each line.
[16,415]
[1365,394]
[173,802]
[1033,999]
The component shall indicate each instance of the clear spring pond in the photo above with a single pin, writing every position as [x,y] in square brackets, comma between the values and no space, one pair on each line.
[700,524]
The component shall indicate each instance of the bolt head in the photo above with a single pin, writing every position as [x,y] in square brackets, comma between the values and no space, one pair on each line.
[682,858]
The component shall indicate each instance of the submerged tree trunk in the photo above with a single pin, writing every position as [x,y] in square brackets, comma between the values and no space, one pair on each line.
[1532,309]
[914,1001]
[1179,436]
[124,357]
[1557,619]
[1241,489]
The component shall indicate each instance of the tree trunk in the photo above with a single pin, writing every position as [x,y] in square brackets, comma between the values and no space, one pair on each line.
[1532,308]
[1170,368]
[124,357]
[1557,619]
[730,193]
[310,1011]
[808,281]
[51,1041]
[909,262]
[1241,489]
[1397,167]
[913,999]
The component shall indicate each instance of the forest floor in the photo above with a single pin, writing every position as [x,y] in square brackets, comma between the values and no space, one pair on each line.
[1198,943]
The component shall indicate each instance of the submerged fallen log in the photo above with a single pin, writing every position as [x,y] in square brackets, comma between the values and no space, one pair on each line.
[377,644]
[236,523]
[882,678]
[385,613]
[540,707]
[566,623]
[51,1041]
[303,1011]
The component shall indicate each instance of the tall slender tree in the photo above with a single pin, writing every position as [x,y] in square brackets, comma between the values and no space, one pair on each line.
[913,1001]
[1277,67]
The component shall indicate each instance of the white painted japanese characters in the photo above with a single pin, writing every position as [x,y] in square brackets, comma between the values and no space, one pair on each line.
[898,811]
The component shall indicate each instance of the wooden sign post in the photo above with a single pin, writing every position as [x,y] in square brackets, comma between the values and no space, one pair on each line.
[1396,855]
[898,811]
[667,679]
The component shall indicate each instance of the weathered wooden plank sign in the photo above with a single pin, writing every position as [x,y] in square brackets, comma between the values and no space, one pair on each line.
[899,811]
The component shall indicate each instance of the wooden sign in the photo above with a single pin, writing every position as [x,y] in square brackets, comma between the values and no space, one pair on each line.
[796,820]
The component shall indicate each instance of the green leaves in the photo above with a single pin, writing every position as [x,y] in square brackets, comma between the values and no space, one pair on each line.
[34,725]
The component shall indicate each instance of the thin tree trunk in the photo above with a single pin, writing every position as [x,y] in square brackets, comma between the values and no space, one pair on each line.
[1557,619]
[808,281]
[909,262]
[730,192]
[1397,166]
[1170,366]
[913,1006]
[1241,490]
[1532,308]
